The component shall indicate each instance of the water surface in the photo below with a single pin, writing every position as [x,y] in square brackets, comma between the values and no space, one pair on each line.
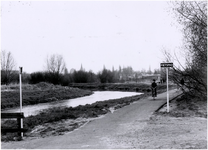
[97,96]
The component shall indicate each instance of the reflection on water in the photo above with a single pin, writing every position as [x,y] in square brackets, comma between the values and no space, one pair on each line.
[97,96]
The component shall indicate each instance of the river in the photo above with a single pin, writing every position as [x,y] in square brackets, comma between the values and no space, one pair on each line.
[97,96]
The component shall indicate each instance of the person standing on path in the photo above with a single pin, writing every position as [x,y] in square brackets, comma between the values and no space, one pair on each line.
[154,89]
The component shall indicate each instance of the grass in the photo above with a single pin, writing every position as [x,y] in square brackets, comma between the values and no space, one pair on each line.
[39,93]
[140,87]
[188,106]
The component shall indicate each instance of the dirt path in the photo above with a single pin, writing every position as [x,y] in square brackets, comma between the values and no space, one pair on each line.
[127,127]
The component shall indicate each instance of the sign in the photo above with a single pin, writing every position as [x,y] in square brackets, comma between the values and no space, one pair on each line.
[20,70]
[166,64]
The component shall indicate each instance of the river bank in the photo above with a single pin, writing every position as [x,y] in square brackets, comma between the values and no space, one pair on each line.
[51,121]
[133,87]
[38,93]
[46,92]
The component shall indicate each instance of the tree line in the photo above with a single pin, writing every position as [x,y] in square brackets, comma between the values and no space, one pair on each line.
[57,73]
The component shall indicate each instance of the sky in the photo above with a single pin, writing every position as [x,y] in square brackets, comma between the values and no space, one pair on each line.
[93,34]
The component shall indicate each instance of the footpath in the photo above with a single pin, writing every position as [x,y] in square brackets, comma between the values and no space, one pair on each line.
[127,127]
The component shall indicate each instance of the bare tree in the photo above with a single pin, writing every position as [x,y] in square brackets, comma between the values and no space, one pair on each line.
[55,64]
[7,67]
[127,71]
[193,16]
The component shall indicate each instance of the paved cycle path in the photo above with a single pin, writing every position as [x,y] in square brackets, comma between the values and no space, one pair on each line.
[114,130]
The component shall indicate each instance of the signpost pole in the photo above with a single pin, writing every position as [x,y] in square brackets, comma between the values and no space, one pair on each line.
[20,80]
[167,91]
[167,65]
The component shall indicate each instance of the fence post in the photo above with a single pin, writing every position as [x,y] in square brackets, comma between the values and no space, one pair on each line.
[19,126]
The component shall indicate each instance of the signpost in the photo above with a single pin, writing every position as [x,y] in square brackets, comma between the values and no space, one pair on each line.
[20,80]
[167,65]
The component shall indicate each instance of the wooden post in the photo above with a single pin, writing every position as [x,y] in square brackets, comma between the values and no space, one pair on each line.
[19,126]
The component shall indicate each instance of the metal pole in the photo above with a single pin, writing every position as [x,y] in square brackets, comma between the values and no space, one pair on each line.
[20,79]
[167,91]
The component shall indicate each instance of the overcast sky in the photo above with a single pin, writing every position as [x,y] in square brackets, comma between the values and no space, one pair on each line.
[91,33]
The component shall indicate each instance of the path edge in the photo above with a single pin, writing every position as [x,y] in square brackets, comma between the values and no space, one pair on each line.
[169,101]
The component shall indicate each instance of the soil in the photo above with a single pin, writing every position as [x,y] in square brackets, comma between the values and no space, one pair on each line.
[56,128]
[165,132]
